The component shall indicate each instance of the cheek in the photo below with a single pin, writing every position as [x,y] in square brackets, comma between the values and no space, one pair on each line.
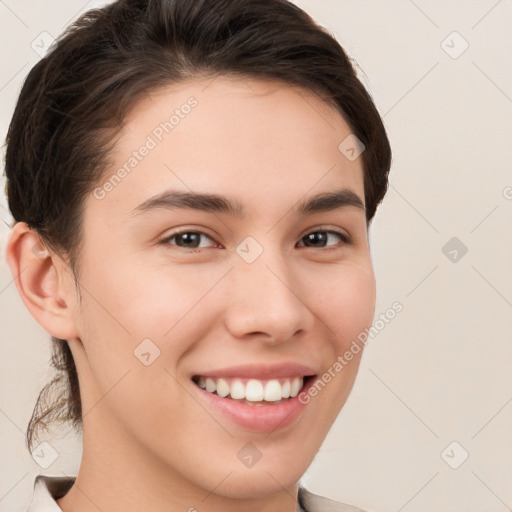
[138,302]
[128,320]
[345,302]
[131,317]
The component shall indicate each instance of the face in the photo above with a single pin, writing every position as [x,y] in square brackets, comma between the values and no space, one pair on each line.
[199,320]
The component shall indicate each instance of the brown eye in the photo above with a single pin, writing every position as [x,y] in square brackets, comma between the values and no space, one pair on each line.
[186,239]
[319,239]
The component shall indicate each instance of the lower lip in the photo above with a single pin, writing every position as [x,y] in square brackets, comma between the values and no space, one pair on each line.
[258,418]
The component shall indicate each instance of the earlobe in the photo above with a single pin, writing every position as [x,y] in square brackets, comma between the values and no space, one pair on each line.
[42,280]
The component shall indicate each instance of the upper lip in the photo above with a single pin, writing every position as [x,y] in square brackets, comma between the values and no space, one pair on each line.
[261,371]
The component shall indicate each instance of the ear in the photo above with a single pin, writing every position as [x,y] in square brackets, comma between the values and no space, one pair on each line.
[44,282]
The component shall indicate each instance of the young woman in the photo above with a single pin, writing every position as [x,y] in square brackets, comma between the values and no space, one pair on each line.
[192,184]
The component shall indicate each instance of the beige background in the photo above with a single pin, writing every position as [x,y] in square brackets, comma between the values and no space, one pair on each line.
[441,370]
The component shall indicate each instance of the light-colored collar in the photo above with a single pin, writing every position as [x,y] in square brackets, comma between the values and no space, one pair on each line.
[48,489]
[309,502]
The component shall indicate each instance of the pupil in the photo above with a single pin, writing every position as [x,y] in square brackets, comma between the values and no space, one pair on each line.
[318,236]
[190,237]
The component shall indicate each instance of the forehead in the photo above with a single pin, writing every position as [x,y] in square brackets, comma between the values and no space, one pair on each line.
[258,141]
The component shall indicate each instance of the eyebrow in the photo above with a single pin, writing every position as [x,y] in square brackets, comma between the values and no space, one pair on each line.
[214,203]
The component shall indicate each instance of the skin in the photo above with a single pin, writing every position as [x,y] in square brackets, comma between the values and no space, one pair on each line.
[148,443]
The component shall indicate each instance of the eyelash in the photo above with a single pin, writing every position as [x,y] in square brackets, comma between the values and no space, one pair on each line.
[344,238]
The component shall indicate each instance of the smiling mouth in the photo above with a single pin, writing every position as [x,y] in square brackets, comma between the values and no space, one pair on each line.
[253,391]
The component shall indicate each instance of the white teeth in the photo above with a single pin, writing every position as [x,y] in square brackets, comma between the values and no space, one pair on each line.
[222,388]
[296,386]
[210,385]
[255,390]
[286,389]
[237,390]
[273,391]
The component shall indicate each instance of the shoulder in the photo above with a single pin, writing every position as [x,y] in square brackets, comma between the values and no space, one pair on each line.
[310,502]
[48,489]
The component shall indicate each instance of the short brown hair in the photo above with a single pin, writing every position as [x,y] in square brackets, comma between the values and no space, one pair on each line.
[74,99]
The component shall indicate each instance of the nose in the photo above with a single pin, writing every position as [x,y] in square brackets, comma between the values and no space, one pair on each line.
[267,300]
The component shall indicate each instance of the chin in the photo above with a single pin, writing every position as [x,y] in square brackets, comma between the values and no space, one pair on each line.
[252,483]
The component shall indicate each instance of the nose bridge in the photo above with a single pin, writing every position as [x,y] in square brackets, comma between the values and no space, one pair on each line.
[266,294]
